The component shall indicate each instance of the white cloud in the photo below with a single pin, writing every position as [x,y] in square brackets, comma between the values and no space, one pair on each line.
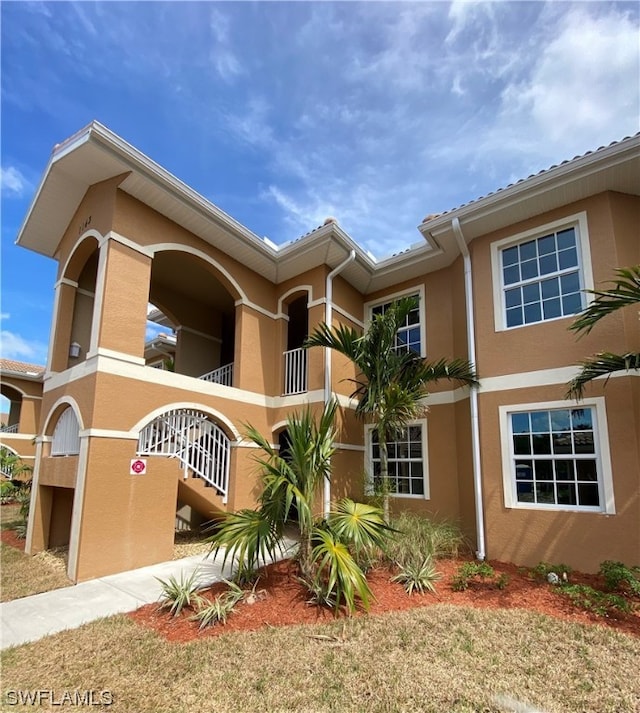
[13,346]
[14,184]
[221,54]
[583,89]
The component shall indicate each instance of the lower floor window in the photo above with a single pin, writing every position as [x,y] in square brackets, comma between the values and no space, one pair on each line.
[407,464]
[554,457]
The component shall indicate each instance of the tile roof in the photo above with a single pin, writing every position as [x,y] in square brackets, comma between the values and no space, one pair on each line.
[533,175]
[21,367]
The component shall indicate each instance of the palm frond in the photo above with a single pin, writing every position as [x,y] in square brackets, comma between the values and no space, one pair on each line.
[248,536]
[337,573]
[451,369]
[625,291]
[359,524]
[602,364]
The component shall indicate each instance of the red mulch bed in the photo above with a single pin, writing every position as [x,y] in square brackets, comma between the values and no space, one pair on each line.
[283,601]
[9,537]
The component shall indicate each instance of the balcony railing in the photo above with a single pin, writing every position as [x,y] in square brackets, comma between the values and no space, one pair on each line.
[223,375]
[10,429]
[295,371]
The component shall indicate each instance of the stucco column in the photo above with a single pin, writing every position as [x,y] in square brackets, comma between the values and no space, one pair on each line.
[122,294]
[65,295]
[253,362]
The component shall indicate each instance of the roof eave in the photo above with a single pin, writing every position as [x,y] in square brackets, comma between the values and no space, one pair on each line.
[529,188]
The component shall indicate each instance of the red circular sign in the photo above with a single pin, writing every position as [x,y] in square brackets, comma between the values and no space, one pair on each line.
[138,466]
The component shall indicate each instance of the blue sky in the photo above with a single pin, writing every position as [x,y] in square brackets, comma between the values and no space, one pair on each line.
[285,113]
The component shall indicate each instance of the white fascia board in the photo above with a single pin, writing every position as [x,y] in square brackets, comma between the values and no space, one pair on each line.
[26,376]
[59,152]
[141,163]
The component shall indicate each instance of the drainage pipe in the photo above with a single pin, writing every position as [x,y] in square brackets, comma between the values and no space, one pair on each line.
[328,317]
[473,396]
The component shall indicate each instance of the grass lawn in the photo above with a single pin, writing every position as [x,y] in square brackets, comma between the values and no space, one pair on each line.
[440,658]
[22,575]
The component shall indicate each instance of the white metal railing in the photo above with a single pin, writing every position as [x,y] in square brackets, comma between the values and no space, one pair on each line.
[223,375]
[295,371]
[199,444]
[10,429]
[66,435]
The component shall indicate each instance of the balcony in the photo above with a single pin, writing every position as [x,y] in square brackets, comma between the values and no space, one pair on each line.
[295,371]
[223,375]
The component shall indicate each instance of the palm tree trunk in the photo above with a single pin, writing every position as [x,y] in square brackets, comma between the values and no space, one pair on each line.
[384,474]
[305,554]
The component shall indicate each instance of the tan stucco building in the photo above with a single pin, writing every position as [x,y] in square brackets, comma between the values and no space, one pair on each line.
[529,475]
[21,385]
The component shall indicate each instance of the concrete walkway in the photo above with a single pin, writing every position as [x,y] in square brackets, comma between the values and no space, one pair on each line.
[32,618]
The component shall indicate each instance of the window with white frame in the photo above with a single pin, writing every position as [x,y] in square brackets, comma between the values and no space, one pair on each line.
[541,274]
[541,278]
[407,460]
[66,435]
[409,336]
[554,458]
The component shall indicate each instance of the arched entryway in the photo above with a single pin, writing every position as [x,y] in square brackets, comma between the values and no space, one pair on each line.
[197,321]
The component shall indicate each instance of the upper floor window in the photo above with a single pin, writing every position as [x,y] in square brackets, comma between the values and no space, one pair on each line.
[66,435]
[410,335]
[554,458]
[541,275]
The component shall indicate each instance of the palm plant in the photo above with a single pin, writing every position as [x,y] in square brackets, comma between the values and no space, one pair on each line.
[392,381]
[624,292]
[12,466]
[291,481]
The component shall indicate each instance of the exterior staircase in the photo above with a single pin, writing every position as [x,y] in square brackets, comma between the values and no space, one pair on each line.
[202,450]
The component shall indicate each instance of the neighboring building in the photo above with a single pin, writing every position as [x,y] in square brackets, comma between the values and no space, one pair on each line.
[21,385]
[530,476]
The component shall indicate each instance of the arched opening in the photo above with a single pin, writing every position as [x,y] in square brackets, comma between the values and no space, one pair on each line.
[57,481]
[66,434]
[295,356]
[195,318]
[11,420]
[82,322]
[202,450]
[76,297]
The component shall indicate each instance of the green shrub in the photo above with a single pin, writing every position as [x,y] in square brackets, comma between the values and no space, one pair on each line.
[469,571]
[218,610]
[418,576]
[7,491]
[618,577]
[600,603]
[543,569]
[502,582]
[176,595]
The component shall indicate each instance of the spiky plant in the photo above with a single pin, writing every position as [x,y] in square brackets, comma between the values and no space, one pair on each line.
[418,576]
[178,594]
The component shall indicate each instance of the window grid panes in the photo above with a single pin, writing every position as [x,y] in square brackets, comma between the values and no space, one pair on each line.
[408,336]
[541,278]
[554,458]
[406,463]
